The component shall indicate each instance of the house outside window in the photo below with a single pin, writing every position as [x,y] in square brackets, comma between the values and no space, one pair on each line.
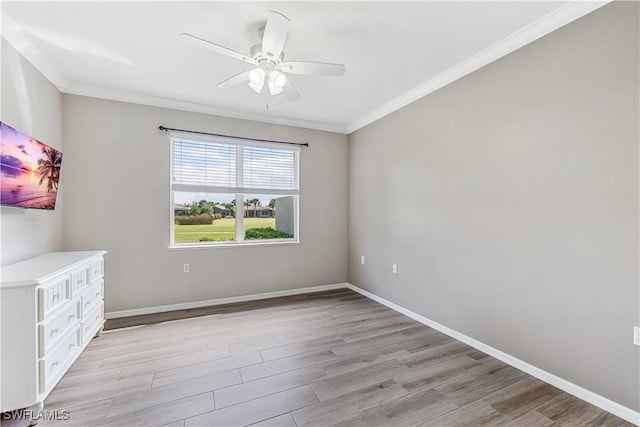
[226,191]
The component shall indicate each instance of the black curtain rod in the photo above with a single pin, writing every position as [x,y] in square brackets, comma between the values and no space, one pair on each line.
[235,137]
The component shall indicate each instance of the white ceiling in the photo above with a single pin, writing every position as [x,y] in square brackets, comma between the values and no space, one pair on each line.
[394,52]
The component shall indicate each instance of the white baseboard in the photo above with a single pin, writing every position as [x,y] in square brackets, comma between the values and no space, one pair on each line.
[573,389]
[220,301]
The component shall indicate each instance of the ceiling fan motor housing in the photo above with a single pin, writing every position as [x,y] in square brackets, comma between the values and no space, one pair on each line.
[266,61]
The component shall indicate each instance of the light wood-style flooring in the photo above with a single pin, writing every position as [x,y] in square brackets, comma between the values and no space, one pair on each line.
[328,359]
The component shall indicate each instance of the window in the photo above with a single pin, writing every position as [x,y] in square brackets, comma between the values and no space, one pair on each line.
[226,191]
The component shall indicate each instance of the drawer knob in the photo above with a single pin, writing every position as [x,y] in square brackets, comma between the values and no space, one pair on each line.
[97,317]
[54,331]
[56,296]
[98,294]
[87,303]
[86,329]
[54,364]
[72,316]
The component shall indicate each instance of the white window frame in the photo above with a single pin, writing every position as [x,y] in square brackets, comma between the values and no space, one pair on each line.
[239,192]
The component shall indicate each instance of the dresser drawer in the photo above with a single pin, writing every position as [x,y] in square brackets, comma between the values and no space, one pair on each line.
[53,295]
[91,297]
[55,328]
[91,322]
[97,270]
[80,279]
[56,362]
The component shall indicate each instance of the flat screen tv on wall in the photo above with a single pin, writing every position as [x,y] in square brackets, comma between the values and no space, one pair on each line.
[29,171]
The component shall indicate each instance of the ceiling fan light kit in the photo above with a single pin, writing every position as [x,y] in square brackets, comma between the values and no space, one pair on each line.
[268,59]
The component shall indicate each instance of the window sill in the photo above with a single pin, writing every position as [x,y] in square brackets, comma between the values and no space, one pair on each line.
[233,245]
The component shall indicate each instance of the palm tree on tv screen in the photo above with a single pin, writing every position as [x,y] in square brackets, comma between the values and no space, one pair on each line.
[49,167]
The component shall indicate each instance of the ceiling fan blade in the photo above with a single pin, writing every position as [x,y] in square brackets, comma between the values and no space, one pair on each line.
[219,49]
[235,80]
[313,68]
[290,91]
[275,34]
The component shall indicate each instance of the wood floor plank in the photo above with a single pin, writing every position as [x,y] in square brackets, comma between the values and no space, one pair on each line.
[477,414]
[533,418]
[264,386]
[236,336]
[606,419]
[395,337]
[426,342]
[175,391]
[438,374]
[357,379]
[339,409]
[164,413]
[285,364]
[101,349]
[371,312]
[197,370]
[295,348]
[269,342]
[332,326]
[521,397]
[256,410]
[158,331]
[82,366]
[296,318]
[434,355]
[151,354]
[79,415]
[481,383]
[409,411]
[570,411]
[98,391]
[178,361]
[285,420]
[88,378]
[358,360]
[376,329]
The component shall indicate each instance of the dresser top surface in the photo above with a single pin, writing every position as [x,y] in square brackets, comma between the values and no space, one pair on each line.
[36,270]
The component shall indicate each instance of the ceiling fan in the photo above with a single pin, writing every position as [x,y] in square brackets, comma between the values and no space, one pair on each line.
[268,59]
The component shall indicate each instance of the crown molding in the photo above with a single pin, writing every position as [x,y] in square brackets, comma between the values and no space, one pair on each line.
[537,29]
[12,33]
[194,107]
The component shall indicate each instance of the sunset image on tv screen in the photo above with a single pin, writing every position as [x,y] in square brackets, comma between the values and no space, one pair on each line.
[29,170]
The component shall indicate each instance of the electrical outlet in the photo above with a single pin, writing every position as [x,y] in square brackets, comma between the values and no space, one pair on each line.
[394,268]
[362,259]
[636,335]
[185,268]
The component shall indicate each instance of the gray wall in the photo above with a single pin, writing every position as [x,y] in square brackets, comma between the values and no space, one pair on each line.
[509,201]
[31,104]
[117,198]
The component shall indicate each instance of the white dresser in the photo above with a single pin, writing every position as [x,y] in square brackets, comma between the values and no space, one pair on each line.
[51,306]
